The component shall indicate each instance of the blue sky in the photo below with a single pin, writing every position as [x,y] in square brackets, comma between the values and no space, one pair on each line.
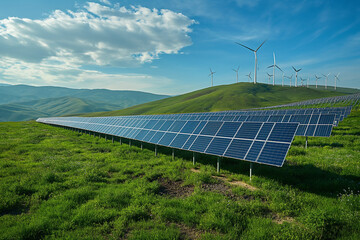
[168,47]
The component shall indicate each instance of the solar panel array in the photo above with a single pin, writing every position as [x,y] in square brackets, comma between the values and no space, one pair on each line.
[256,136]
[260,142]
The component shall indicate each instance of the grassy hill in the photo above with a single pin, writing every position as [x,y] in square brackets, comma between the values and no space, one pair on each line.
[22,102]
[225,97]
[58,184]
[51,107]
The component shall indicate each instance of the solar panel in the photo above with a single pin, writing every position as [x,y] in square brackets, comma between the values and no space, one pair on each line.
[239,140]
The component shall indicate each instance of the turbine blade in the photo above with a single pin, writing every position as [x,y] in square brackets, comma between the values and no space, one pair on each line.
[270,66]
[245,47]
[294,68]
[278,68]
[260,46]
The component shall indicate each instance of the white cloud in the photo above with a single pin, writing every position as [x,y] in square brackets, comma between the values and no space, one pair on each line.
[97,34]
[107,2]
[57,50]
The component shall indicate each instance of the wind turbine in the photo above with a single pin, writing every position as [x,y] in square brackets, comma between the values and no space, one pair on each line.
[211,73]
[336,78]
[317,78]
[302,81]
[269,77]
[274,66]
[326,79]
[289,78]
[283,74]
[249,76]
[237,74]
[296,70]
[307,83]
[255,51]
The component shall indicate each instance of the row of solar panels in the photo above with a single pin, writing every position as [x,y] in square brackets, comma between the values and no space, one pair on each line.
[340,113]
[352,99]
[315,125]
[266,143]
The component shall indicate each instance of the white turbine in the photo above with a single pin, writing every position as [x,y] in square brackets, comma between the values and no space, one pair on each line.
[283,74]
[249,76]
[212,81]
[307,83]
[255,51]
[336,78]
[296,70]
[326,79]
[289,78]
[269,77]
[274,66]
[317,78]
[237,74]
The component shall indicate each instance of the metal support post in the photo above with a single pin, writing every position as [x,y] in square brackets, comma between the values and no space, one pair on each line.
[129,143]
[306,142]
[105,137]
[173,154]
[120,141]
[193,158]
[141,146]
[251,167]
[112,139]
[218,165]
[155,150]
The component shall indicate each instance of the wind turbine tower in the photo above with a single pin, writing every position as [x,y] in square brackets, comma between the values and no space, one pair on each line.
[212,80]
[317,78]
[296,70]
[290,78]
[237,74]
[269,77]
[336,78]
[249,76]
[255,51]
[326,79]
[274,66]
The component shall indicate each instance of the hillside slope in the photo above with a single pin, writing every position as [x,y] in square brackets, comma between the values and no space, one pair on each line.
[51,107]
[225,97]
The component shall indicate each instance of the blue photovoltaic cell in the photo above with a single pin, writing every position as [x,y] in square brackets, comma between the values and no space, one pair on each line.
[141,134]
[211,128]
[167,139]
[189,142]
[310,130]
[218,146]
[248,130]
[274,153]
[275,118]
[238,148]
[177,126]
[286,118]
[301,130]
[314,119]
[254,151]
[166,125]
[156,138]
[326,119]
[201,143]
[150,124]
[149,136]
[323,130]
[228,118]
[158,124]
[264,131]
[228,129]
[179,140]
[199,127]
[283,132]
[189,127]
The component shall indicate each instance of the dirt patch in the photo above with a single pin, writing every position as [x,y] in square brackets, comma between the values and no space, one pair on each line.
[235,183]
[174,188]
[191,233]
[225,190]
[280,220]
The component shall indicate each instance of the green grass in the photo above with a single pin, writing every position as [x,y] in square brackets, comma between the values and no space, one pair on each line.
[58,184]
[225,97]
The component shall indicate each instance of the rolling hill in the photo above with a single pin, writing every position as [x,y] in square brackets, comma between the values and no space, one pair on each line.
[23,102]
[226,97]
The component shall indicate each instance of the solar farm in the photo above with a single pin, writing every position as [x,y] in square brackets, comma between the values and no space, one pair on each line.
[256,136]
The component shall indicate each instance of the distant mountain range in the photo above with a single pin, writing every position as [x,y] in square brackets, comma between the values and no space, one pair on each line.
[23,102]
